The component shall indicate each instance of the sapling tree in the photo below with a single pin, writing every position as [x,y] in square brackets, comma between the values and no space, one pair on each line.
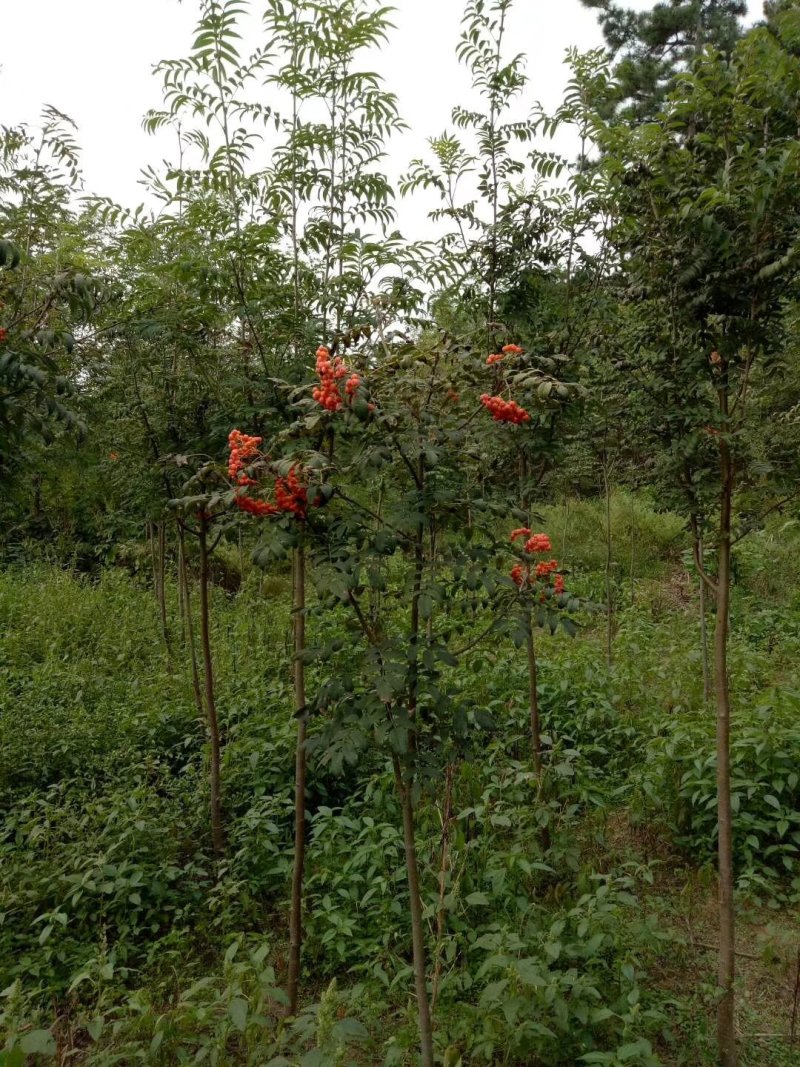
[325,182]
[543,601]
[414,568]
[260,492]
[201,513]
[47,289]
[708,223]
[474,171]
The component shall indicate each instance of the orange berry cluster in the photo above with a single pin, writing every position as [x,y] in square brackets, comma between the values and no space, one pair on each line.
[504,410]
[255,507]
[538,543]
[244,449]
[331,371]
[534,544]
[506,350]
[290,495]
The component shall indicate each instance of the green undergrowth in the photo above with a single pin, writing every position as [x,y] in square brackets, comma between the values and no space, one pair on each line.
[558,936]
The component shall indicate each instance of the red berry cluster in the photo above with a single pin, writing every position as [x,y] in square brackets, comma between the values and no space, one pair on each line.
[244,449]
[506,350]
[524,573]
[255,507]
[504,410]
[538,543]
[331,371]
[290,495]
[3,336]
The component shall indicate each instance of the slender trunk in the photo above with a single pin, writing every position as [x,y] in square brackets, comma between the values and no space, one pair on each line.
[181,596]
[296,912]
[536,733]
[444,865]
[704,631]
[161,583]
[533,696]
[188,622]
[151,544]
[564,532]
[417,930]
[609,560]
[217,833]
[633,552]
[726,1034]
[406,801]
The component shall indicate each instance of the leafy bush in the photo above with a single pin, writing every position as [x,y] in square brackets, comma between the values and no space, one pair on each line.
[679,778]
[578,531]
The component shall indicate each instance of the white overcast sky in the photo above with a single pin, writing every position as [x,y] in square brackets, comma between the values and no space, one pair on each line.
[93,59]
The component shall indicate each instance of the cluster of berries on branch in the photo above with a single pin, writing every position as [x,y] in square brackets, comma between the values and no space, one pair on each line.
[504,410]
[506,350]
[524,574]
[331,371]
[290,495]
[243,451]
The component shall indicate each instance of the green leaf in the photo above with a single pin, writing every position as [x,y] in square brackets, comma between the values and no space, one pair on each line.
[38,1042]
[476,899]
[237,1009]
[484,719]
[95,1027]
[350,1030]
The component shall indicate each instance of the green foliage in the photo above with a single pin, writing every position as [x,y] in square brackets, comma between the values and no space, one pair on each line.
[653,46]
[644,540]
[645,292]
[680,773]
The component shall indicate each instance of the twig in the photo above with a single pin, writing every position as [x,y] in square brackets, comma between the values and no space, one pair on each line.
[714,948]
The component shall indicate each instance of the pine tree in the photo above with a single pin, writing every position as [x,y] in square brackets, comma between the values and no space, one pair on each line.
[651,47]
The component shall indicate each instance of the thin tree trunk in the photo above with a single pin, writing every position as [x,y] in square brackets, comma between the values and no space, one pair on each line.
[633,552]
[609,561]
[296,912]
[726,1034]
[533,696]
[181,595]
[161,584]
[217,833]
[183,580]
[406,800]
[151,544]
[704,632]
[536,732]
[444,864]
[564,532]
[417,930]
